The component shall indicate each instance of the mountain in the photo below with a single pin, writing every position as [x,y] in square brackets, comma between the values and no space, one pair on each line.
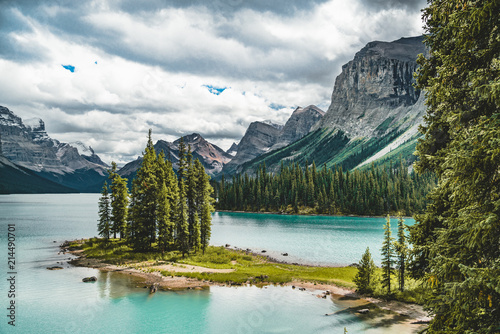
[20,180]
[233,150]
[298,125]
[374,110]
[211,156]
[262,137]
[29,146]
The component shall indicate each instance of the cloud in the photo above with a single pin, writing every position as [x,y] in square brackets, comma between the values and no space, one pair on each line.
[180,66]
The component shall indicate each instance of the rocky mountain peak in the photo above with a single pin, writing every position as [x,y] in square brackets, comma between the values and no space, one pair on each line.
[233,150]
[375,89]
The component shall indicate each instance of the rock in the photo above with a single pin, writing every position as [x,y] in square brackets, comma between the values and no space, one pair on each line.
[293,286]
[54,268]
[89,279]
[228,245]
[363,311]
[302,289]
[153,288]
[263,251]
[285,254]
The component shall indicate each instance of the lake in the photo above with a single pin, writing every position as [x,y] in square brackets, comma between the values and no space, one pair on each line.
[59,302]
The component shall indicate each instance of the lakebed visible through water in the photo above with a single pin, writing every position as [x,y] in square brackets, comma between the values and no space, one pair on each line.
[59,302]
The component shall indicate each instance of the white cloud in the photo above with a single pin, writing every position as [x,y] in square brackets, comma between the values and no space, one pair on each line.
[153,68]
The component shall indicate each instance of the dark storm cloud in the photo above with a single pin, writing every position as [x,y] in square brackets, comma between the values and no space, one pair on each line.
[224,7]
[400,4]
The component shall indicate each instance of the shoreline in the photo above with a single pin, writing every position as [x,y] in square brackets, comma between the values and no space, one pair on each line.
[311,214]
[399,313]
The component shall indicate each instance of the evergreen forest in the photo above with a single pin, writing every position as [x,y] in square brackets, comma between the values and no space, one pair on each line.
[374,191]
[164,211]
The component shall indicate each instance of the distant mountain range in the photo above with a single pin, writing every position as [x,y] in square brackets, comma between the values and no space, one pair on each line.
[373,117]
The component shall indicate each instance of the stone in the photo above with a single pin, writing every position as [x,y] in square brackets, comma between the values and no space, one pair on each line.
[89,279]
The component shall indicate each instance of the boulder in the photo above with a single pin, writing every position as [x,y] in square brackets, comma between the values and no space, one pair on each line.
[89,279]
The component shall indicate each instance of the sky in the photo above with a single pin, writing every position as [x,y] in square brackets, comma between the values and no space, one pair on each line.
[104,72]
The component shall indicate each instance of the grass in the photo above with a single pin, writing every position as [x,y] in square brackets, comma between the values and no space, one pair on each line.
[247,267]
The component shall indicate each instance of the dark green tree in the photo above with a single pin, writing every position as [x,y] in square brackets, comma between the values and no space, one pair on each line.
[182,226]
[365,277]
[119,203]
[204,204]
[456,240]
[401,247]
[387,256]
[104,224]
[143,208]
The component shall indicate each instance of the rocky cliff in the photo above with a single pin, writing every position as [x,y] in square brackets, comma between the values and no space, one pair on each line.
[375,92]
[29,146]
[374,110]
[263,137]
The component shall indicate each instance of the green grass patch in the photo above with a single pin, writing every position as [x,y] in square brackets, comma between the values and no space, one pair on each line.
[247,267]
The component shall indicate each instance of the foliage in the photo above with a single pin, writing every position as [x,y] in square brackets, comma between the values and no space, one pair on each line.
[365,277]
[373,191]
[402,250]
[167,212]
[119,202]
[456,240]
[104,224]
[387,256]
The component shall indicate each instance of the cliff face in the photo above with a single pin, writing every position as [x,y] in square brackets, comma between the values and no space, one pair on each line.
[262,137]
[374,110]
[298,125]
[29,146]
[375,92]
[258,139]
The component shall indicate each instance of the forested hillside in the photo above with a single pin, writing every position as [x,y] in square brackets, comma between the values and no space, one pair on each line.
[293,189]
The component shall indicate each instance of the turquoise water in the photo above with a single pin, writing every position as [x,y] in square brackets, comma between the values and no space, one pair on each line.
[58,302]
[306,239]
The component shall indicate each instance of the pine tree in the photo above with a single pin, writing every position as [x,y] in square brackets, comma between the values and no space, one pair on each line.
[182,226]
[144,200]
[104,225]
[191,180]
[163,213]
[365,276]
[456,240]
[204,202]
[119,203]
[387,256]
[401,247]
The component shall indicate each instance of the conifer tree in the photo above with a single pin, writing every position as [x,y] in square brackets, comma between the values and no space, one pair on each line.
[365,277]
[163,214]
[104,225]
[191,181]
[144,200]
[204,203]
[119,202]
[387,256]
[401,247]
[455,242]
[182,226]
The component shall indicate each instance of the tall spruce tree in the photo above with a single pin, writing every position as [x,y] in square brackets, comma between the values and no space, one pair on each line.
[104,223]
[182,226]
[455,242]
[163,211]
[365,277]
[401,247]
[119,203]
[192,213]
[204,204]
[387,256]
[144,200]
